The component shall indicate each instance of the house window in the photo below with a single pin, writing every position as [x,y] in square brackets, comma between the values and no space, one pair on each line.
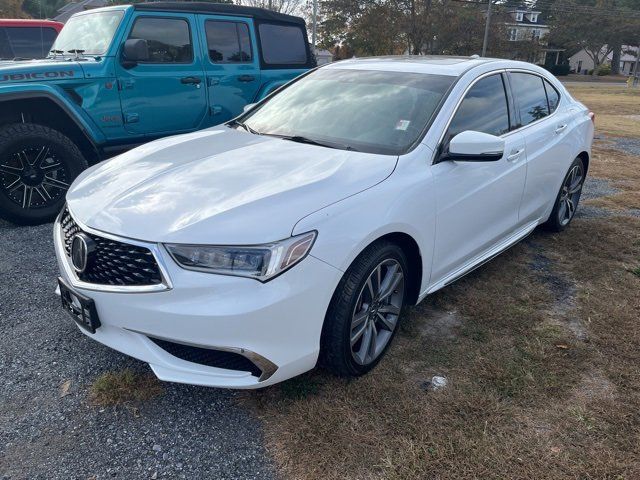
[535,34]
[579,66]
[533,18]
[519,16]
[513,34]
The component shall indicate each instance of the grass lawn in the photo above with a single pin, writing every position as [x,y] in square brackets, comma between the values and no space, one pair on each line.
[541,349]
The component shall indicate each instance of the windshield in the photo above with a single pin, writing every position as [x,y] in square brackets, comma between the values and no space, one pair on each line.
[364,110]
[91,32]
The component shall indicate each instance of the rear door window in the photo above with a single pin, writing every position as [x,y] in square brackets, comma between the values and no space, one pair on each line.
[282,44]
[30,42]
[228,42]
[169,39]
[483,109]
[530,96]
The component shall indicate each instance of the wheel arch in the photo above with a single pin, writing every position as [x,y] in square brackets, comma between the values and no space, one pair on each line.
[584,156]
[45,109]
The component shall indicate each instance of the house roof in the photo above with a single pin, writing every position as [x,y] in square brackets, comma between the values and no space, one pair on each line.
[72,8]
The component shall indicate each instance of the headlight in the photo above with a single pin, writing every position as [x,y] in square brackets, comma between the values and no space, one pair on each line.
[261,262]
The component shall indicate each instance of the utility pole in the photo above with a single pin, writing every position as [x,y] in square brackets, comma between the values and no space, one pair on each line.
[315,25]
[486,30]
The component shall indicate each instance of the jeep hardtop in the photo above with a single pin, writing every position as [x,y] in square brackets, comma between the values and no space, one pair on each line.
[124,75]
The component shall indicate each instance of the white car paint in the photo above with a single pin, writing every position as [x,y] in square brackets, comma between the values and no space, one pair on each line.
[228,187]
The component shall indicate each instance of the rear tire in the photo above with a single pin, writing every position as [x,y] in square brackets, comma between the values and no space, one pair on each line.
[568,197]
[366,309]
[37,166]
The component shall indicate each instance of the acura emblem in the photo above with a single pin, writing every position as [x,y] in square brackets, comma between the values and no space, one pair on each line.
[82,246]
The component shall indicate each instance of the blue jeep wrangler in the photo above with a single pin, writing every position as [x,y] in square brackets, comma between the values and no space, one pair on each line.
[121,76]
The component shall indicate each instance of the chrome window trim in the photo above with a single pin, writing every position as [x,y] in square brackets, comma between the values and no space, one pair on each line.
[154,248]
[488,74]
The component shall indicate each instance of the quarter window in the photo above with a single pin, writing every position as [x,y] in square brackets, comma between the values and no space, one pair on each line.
[282,44]
[484,109]
[228,42]
[530,96]
[553,96]
[169,39]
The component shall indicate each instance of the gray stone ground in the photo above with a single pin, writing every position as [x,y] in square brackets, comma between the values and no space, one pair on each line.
[188,432]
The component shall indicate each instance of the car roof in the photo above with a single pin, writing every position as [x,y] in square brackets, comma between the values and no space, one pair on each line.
[221,8]
[29,22]
[433,64]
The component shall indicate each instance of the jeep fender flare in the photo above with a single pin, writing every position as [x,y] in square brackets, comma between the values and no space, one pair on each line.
[86,126]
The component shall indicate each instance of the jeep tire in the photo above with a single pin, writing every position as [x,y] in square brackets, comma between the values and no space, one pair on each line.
[37,166]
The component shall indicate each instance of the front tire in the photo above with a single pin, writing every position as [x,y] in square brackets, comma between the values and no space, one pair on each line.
[568,197]
[365,310]
[37,166]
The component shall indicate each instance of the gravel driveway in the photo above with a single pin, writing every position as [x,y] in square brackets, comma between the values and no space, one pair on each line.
[188,432]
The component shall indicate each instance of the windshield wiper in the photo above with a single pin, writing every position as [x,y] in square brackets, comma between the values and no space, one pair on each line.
[245,126]
[310,141]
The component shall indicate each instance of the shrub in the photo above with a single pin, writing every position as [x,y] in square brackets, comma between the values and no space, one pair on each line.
[604,70]
[558,70]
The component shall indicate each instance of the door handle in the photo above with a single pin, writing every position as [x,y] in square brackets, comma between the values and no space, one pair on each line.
[561,128]
[515,155]
[246,78]
[191,80]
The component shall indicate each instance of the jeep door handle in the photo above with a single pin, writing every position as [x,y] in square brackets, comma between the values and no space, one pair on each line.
[560,128]
[191,80]
[515,155]
[246,78]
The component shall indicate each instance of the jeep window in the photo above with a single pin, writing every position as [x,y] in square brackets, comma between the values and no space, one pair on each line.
[5,49]
[31,42]
[365,110]
[91,32]
[282,44]
[169,39]
[228,42]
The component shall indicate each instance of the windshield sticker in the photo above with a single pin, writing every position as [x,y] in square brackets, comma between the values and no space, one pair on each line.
[403,124]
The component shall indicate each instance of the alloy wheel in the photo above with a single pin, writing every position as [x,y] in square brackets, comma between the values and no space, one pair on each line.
[33,177]
[377,310]
[570,194]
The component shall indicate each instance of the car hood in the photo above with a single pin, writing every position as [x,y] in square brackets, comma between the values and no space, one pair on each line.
[219,186]
[20,71]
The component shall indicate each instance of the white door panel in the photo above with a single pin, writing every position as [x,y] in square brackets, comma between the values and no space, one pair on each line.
[548,158]
[477,205]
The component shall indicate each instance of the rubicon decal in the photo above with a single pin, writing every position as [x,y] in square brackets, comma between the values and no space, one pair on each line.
[16,77]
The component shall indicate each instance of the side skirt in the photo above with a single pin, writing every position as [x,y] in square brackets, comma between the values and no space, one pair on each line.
[481,259]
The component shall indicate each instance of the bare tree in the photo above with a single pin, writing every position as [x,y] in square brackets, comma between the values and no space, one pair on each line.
[282,6]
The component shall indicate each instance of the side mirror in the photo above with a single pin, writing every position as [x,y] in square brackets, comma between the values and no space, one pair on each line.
[248,107]
[472,146]
[135,50]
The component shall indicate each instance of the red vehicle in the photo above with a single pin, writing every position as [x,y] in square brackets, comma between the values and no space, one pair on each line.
[27,39]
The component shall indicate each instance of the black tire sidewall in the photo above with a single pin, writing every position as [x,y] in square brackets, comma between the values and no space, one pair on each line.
[344,300]
[553,223]
[13,137]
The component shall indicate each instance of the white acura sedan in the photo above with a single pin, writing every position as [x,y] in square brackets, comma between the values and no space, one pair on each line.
[245,254]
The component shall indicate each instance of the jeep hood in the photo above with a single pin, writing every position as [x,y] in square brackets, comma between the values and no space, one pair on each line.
[21,71]
[219,186]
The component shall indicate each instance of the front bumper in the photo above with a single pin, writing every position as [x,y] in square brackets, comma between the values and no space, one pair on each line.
[276,325]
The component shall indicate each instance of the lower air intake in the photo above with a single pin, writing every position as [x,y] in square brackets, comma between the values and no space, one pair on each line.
[208,357]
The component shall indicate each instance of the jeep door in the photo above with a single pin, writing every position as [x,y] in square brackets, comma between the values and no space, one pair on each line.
[231,64]
[166,93]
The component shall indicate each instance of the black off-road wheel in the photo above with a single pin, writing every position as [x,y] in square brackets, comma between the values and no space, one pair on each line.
[568,197]
[365,311]
[37,166]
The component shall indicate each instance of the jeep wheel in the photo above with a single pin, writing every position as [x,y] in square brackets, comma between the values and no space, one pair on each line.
[37,166]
